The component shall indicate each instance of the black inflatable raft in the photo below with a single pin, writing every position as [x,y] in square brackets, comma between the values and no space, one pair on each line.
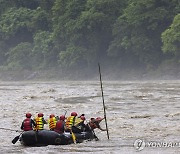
[47,137]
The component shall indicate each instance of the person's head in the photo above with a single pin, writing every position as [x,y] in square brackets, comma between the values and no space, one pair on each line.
[62,117]
[28,115]
[40,114]
[83,118]
[73,114]
[92,123]
[51,116]
[92,119]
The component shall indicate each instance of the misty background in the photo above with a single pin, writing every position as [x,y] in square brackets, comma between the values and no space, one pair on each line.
[65,39]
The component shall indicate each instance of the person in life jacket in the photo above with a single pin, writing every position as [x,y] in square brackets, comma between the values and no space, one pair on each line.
[95,123]
[52,122]
[60,125]
[79,125]
[28,123]
[39,120]
[70,122]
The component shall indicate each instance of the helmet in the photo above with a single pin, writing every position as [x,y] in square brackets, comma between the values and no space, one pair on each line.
[40,114]
[93,120]
[52,115]
[83,118]
[28,115]
[74,114]
[62,117]
[99,119]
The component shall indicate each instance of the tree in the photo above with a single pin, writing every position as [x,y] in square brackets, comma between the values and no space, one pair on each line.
[65,14]
[73,57]
[137,32]
[3,51]
[40,21]
[15,24]
[171,38]
[95,27]
[5,5]
[47,5]
[43,52]
[19,57]
[86,24]
[30,4]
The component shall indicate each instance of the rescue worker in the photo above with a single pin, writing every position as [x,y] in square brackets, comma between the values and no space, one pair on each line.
[28,123]
[52,122]
[95,123]
[70,122]
[60,125]
[39,120]
[79,125]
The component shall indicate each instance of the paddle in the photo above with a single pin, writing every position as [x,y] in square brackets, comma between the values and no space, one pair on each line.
[65,112]
[16,138]
[103,101]
[11,129]
[73,137]
[96,138]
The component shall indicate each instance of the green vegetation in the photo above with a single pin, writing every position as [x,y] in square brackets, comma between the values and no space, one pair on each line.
[73,36]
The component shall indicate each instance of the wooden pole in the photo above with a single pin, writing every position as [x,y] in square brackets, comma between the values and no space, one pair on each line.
[103,101]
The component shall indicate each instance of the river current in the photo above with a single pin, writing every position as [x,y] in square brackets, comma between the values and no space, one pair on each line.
[142,116]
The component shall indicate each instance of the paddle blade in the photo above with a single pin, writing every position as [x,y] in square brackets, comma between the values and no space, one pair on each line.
[73,137]
[15,139]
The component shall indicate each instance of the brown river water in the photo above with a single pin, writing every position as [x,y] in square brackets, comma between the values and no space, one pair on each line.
[142,116]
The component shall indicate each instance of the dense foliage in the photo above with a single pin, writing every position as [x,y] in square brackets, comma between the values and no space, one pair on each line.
[76,35]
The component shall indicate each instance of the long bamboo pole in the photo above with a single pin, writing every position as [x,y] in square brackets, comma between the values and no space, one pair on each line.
[103,101]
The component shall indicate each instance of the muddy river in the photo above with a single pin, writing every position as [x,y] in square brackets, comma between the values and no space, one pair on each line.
[142,116]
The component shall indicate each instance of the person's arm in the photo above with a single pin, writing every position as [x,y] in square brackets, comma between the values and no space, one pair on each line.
[22,125]
[33,123]
[101,128]
[57,118]
[82,126]
[98,126]
[44,121]
[63,125]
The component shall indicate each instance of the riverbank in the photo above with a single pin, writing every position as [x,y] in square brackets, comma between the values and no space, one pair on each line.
[80,75]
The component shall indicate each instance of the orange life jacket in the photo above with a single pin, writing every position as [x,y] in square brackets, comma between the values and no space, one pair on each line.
[69,122]
[52,123]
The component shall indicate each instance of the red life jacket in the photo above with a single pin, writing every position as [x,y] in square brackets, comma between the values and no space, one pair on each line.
[93,125]
[27,125]
[59,126]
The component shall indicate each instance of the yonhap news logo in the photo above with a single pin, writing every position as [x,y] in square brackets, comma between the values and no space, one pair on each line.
[140,144]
